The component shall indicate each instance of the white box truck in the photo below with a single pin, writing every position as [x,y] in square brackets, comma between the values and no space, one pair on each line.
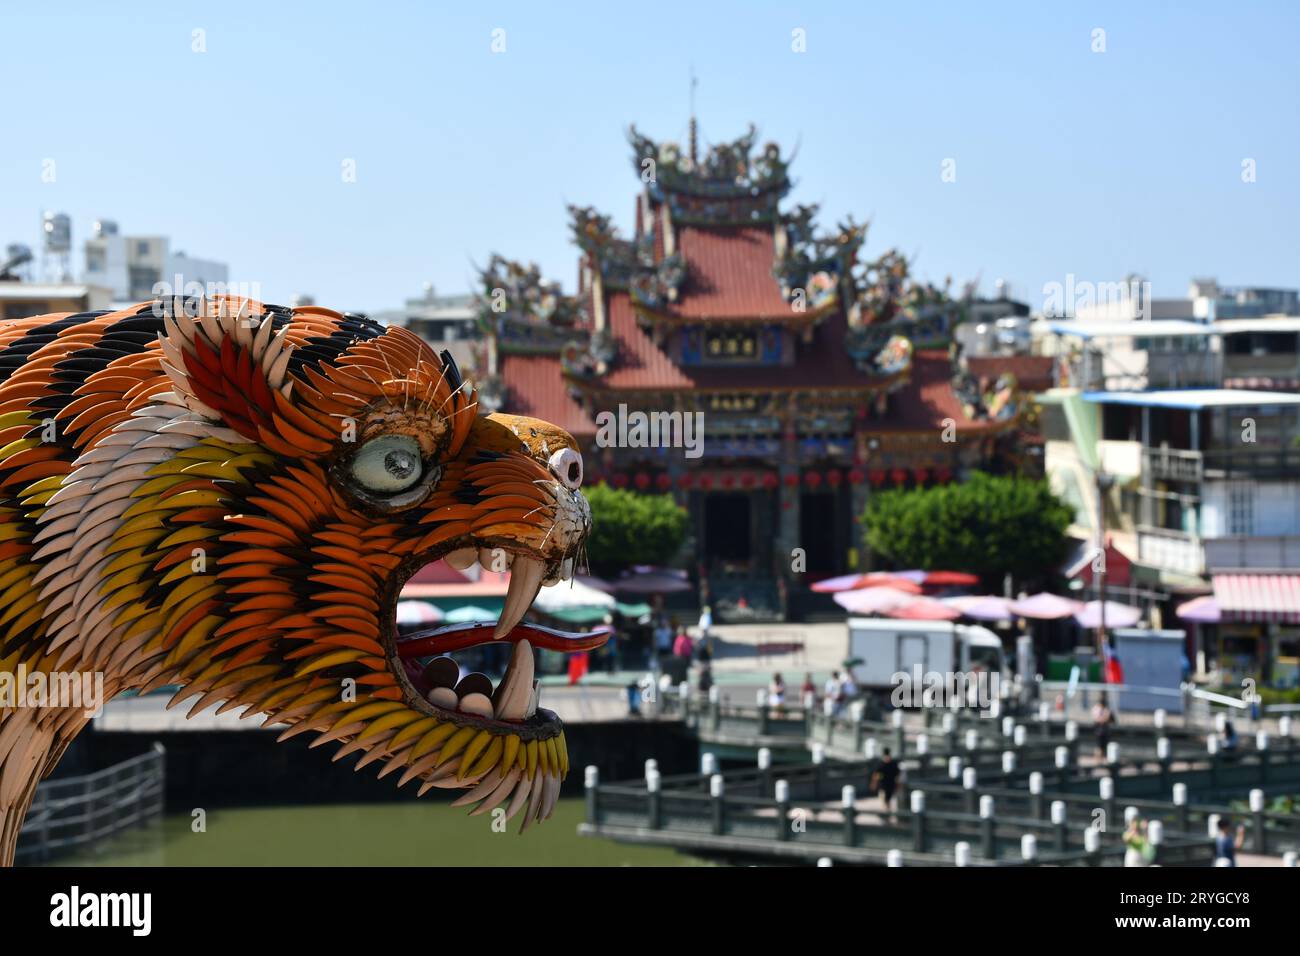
[887,647]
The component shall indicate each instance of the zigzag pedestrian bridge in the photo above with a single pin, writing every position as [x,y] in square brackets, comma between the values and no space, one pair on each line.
[975,791]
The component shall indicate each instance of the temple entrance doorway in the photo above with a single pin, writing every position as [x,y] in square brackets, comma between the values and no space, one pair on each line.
[727,529]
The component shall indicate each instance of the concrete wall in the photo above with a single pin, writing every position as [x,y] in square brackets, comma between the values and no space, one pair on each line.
[248,768]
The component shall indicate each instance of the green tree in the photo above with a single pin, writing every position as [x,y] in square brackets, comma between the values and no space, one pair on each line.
[629,528]
[988,525]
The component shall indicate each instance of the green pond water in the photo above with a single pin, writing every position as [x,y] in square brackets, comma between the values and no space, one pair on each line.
[397,834]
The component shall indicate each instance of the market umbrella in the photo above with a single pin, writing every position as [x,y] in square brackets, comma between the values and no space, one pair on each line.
[568,595]
[845,582]
[875,579]
[648,580]
[1044,607]
[1200,610]
[467,613]
[925,609]
[1117,615]
[950,579]
[600,584]
[417,612]
[981,607]
[873,600]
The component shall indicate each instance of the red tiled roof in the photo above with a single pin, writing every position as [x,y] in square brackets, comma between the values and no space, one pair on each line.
[1033,372]
[642,365]
[729,274]
[535,386]
[928,398]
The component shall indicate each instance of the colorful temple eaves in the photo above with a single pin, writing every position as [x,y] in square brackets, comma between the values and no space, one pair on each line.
[806,361]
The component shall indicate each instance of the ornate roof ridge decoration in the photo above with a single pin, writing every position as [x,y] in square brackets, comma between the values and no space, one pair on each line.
[627,264]
[650,318]
[589,357]
[732,185]
[891,304]
[812,269]
[1001,403]
[524,312]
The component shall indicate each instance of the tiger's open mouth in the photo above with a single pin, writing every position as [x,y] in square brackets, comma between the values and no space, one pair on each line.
[494,739]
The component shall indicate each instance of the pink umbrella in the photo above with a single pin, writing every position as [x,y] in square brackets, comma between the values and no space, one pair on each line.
[1201,610]
[417,612]
[981,607]
[875,579]
[1044,607]
[950,579]
[873,600]
[925,609]
[845,582]
[1117,615]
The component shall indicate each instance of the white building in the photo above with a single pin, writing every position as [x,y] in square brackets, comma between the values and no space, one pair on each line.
[444,321]
[135,267]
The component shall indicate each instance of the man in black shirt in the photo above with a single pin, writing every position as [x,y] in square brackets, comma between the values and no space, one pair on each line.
[885,780]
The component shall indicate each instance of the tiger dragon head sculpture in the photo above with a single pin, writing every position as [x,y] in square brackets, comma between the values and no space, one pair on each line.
[229,497]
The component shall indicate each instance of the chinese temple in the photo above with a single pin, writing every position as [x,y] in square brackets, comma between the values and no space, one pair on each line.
[817,375]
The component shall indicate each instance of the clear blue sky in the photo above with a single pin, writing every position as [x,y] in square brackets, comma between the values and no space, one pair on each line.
[1068,161]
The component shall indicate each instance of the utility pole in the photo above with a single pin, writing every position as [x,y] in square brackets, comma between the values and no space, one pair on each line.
[1104,482]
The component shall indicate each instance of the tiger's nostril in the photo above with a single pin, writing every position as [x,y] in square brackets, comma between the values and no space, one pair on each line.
[566,465]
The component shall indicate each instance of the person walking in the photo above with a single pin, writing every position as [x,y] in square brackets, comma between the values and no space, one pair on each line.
[683,647]
[1226,845]
[1103,720]
[776,694]
[885,781]
[705,681]
[834,692]
[663,636]
[1138,850]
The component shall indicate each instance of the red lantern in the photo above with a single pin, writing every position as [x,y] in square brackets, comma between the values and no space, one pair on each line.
[792,480]
[812,479]
[856,476]
[877,476]
[619,480]
[706,482]
[921,475]
[685,481]
[728,480]
[642,481]
[747,480]
[663,481]
[594,478]
[769,480]
[898,476]
[834,477]
[942,475]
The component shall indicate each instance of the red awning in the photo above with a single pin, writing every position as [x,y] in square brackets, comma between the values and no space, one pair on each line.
[1258,596]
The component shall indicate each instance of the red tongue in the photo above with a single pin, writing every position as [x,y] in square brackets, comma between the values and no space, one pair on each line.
[457,637]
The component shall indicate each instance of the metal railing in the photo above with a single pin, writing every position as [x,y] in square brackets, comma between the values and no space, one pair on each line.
[1180,464]
[69,813]
[810,810]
